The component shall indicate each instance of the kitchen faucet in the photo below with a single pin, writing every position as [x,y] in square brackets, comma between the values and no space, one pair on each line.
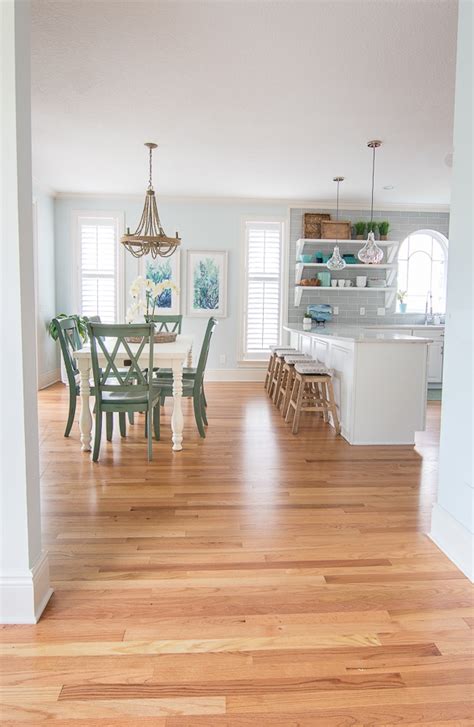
[429,308]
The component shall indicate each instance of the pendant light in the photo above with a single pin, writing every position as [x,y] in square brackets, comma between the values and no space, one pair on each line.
[149,237]
[336,262]
[371,253]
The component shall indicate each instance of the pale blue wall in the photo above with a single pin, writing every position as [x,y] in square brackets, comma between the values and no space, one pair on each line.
[48,359]
[202,225]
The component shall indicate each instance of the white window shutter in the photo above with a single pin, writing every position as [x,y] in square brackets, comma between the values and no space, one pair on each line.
[98,258]
[263,287]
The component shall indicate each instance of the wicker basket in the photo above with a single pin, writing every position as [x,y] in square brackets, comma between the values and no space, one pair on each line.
[312,225]
[163,337]
[336,230]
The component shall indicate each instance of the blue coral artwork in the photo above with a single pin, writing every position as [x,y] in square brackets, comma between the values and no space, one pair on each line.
[159,270]
[207,283]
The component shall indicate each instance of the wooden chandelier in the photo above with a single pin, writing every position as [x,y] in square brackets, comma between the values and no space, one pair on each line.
[149,238]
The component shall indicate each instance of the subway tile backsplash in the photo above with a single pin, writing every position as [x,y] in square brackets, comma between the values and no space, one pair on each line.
[401,225]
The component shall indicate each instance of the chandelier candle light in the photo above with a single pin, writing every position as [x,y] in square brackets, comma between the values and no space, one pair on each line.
[336,262]
[371,253]
[149,237]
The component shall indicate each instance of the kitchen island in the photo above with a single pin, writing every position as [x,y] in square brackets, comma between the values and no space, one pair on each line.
[379,378]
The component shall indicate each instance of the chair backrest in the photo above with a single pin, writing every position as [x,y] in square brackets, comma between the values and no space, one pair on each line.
[206,344]
[70,341]
[167,323]
[93,319]
[111,341]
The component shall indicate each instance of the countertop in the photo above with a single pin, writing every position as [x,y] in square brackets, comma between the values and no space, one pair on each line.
[408,326]
[358,334]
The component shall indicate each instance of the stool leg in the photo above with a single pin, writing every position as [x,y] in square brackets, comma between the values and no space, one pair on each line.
[278,381]
[299,401]
[283,387]
[268,376]
[293,397]
[289,385]
[332,406]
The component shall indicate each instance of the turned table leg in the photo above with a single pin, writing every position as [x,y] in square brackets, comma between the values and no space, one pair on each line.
[85,419]
[177,421]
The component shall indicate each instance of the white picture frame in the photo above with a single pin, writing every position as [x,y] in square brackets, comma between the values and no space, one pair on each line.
[209,298]
[161,266]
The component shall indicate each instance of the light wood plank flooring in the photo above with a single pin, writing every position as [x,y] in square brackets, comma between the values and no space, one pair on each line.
[254,579]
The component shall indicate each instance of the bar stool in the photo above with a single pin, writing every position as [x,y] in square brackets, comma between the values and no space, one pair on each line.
[271,364]
[288,377]
[312,391]
[277,372]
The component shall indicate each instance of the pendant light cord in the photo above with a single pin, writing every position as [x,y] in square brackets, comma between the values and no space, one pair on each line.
[150,182]
[373,184]
[337,201]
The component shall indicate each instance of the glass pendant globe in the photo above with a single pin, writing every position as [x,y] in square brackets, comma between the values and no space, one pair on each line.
[371,253]
[336,262]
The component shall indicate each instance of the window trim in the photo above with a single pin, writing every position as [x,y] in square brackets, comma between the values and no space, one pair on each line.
[119,217]
[444,242]
[243,359]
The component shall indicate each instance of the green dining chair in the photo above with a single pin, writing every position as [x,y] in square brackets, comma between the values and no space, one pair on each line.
[193,381]
[69,342]
[166,323]
[117,391]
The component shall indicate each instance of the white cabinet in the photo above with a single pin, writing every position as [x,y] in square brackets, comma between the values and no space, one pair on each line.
[435,353]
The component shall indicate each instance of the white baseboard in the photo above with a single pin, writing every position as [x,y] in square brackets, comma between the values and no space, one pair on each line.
[243,374]
[455,540]
[48,378]
[24,595]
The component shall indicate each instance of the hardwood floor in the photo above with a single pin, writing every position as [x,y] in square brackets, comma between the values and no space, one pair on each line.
[255,578]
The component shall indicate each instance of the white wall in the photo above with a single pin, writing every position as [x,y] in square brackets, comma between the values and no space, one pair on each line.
[202,225]
[452,523]
[48,354]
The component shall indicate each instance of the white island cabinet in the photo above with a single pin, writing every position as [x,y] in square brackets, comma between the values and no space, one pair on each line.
[379,378]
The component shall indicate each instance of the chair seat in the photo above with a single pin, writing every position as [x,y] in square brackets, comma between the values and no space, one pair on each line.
[298,358]
[187,372]
[128,397]
[286,349]
[312,369]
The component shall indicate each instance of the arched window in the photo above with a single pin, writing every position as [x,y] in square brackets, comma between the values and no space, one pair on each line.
[422,267]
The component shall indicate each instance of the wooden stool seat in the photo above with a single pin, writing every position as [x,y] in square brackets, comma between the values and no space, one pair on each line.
[312,390]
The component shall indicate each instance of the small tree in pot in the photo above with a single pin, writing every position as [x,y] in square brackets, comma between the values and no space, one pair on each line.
[401,295]
[383,229]
[372,227]
[360,229]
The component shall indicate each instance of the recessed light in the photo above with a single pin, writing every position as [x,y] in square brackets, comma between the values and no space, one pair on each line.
[389,186]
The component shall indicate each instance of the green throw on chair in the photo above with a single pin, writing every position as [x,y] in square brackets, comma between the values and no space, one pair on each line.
[166,323]
[117,391]
[193,381]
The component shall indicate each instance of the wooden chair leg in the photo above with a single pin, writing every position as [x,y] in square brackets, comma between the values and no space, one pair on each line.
[198,416]
[149,437]
[203,411]
[109,425]
[131,417]
[299,401]
[72,411]
[204,400]
[97,434]
[122,424]
[156,420]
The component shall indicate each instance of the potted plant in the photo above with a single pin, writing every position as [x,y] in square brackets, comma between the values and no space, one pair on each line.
[360,229]
[383,229]
[401,295]
[372,227]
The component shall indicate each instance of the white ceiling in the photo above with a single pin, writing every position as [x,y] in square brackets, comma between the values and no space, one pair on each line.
[245,99]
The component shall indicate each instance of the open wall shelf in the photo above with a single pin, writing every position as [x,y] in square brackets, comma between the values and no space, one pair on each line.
[389,292]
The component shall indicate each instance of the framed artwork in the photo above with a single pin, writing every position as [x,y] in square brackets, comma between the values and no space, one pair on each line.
[159,269]
[206,292]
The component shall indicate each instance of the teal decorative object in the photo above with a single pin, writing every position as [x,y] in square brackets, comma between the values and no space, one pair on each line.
[325,279]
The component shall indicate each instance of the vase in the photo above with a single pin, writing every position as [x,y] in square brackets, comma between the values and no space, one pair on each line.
[403,307]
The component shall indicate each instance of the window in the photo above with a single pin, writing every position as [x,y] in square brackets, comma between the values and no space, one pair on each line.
[99,266]
[263,287]
[422,268]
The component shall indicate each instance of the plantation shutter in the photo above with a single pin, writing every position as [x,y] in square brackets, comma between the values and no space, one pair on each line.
[263,289]
[98,267]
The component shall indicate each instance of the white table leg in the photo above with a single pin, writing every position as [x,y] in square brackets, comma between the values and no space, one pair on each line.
[189,360]
[177,422]
[85,419]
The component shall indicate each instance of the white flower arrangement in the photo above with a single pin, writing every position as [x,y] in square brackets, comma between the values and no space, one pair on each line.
[144,287]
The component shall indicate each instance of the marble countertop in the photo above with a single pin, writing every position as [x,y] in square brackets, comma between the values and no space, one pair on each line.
[408,326]
[357,334]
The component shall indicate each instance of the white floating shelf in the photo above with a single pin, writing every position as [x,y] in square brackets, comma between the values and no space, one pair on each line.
[300,244]
[349,266]
[389,291]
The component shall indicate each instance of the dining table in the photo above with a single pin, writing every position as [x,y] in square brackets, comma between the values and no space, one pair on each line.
[172,355]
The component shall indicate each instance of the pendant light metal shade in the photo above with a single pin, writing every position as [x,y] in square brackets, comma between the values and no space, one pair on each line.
[371,253]
[336,262]
[149,238]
